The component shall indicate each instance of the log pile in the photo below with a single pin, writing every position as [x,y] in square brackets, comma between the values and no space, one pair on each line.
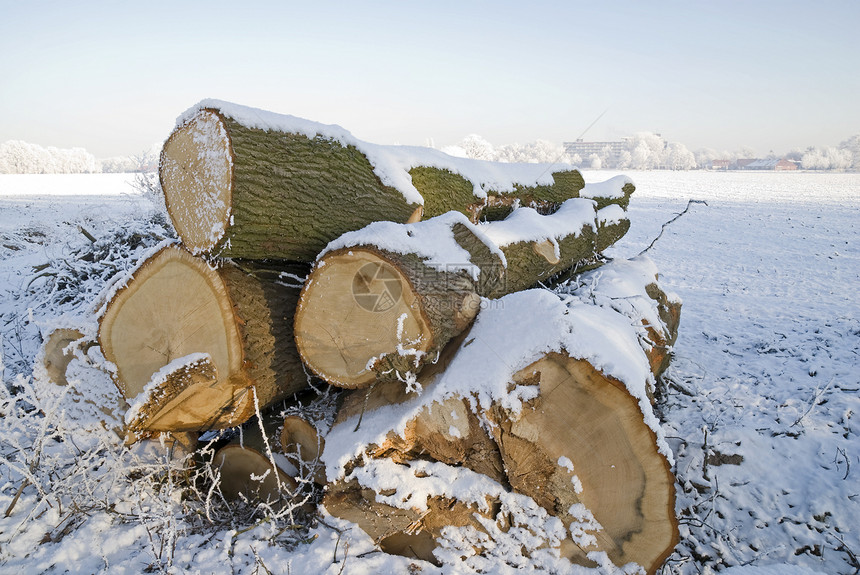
[480,413]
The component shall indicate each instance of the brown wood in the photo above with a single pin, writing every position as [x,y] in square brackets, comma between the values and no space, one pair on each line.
[239,191]
[176,305]
[662,337]
[369,314]
[302,439]
[246,466]
[617,472]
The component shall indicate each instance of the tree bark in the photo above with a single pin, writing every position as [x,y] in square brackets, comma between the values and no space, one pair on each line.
[195,347]
[236,190]
[369,313]
[242,192]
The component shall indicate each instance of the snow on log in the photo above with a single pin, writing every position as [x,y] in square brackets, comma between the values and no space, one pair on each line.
[632,288]
[194,346]
[383,301]
[386,299]
[246,183]
[560,414]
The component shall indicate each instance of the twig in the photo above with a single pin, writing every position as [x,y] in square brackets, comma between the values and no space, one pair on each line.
[852,556]
[654,241]
[17,496]
[87,234]
[364,407]
[814,402]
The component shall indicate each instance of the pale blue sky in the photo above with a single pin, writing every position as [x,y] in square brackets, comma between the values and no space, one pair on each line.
[113,76]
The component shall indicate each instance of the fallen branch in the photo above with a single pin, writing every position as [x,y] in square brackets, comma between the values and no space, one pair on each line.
[662,229]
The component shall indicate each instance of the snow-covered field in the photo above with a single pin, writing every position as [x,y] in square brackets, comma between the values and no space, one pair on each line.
[761,405]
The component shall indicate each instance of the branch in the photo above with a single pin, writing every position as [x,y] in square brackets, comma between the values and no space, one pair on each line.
[663,229]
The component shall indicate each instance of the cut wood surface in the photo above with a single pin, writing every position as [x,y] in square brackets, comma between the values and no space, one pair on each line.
[301,438]
[57,355]
[245,183]
[383,305]
[249,467]
[580,449]
[367,313]
[193,344]
[584,445]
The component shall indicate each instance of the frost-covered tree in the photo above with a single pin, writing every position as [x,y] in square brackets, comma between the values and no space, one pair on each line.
[852,145]
[829,158]
[477,148]
[678,157]
[18,157]
[539,151]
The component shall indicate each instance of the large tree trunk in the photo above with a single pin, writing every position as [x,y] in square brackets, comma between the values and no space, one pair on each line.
[386,299]
[195,347]
[244,183]
[243,192]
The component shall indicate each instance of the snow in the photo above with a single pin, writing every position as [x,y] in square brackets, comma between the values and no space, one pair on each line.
[611,188]
[760,405]
[526,224]
[392,163]
[432,240]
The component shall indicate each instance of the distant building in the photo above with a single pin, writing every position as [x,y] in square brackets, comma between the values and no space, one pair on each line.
[586,149]
[721,164]
[779,165]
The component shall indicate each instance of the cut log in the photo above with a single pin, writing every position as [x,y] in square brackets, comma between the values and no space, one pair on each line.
[195,346]
[249,466]
[258,193]
[367,312]
[61,348]
[384,301]
[245,183]
[584,445]
[579,444]
[299,437]
[580,450]
[444,191]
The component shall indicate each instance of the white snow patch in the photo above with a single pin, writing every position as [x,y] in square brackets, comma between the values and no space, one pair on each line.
[610,189]
[526,224]
[432,240]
